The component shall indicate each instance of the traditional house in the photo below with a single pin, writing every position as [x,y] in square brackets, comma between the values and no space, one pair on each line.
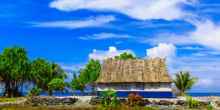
[149,78]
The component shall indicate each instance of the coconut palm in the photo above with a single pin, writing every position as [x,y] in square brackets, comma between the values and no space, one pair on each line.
[184,81]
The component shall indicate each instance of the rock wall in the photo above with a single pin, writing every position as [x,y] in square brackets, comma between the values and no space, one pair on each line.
[50,101]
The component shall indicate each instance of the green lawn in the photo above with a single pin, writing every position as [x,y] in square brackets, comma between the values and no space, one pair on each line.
[8,99]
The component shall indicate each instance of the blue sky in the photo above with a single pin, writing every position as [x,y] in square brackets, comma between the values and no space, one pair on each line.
[69,32]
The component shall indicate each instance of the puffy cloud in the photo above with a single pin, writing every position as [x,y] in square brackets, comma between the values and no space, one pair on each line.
[102,36]
[207,33]
[138,9]
[162,51]
[73,24]
[110,53]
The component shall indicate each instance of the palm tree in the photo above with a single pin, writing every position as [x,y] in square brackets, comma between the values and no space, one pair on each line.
[184,81]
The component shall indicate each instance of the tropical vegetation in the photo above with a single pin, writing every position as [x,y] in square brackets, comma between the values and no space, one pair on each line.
[16,69]
[184,81]
[191,102]
[109,99]
[125,56]
[87,76]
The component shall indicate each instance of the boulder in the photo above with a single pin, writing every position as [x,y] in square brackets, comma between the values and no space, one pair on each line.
[45,101]
[166,102]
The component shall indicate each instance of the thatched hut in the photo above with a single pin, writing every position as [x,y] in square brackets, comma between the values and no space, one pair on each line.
[148,77]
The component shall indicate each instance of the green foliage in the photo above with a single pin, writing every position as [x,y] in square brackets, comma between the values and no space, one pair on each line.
[35,91]
[184,81]
[43,72]
[91,72]
[77,84]
[7,100]
[192,103]
[88,75]
[109,99]
[210,106]
[56,84]
[151,108]
[14,69]
[125,56]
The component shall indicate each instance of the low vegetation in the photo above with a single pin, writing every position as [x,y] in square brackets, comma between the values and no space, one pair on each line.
[109,99]
[8,100]
[191,102]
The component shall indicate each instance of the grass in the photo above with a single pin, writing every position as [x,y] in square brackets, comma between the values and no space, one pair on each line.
[8,99]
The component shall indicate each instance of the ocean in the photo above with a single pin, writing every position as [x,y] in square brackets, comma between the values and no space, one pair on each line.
[196,94]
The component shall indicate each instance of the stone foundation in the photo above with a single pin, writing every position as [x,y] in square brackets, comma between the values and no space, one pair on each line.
[51,101]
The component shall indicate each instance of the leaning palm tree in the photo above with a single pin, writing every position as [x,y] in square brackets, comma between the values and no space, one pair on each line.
[184,81]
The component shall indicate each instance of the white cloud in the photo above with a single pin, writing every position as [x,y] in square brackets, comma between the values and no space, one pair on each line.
[191,48]
[207,33]
[102,36]
[205,82]
[138,9]
[97,21]
[168,38]
[162,51]
[110,53]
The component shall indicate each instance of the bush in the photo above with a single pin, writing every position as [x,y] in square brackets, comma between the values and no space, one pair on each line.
[192,103]
[35,91]
[135,99]
[210,106]
[56,84]
[109,99]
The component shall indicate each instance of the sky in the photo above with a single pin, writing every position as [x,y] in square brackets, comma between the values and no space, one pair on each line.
[70,32]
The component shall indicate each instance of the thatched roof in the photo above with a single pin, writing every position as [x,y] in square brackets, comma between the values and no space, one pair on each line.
[138,71]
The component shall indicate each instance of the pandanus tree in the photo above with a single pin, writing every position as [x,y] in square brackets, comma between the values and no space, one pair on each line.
[87,76]
[184,81]
[43,73]
[14,70]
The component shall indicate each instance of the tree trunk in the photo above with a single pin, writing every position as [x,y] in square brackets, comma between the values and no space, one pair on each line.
[50,92]
[11,89]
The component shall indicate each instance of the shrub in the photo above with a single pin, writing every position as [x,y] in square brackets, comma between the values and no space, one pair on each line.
[109,99]
[56,84]
[192,103]
[135,99]
[35,91]
[210,106]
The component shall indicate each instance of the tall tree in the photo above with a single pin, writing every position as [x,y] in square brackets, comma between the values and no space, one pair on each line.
[88,75]
[125,56]
[43,72]
[184,81]
[77,84]
[14,69]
